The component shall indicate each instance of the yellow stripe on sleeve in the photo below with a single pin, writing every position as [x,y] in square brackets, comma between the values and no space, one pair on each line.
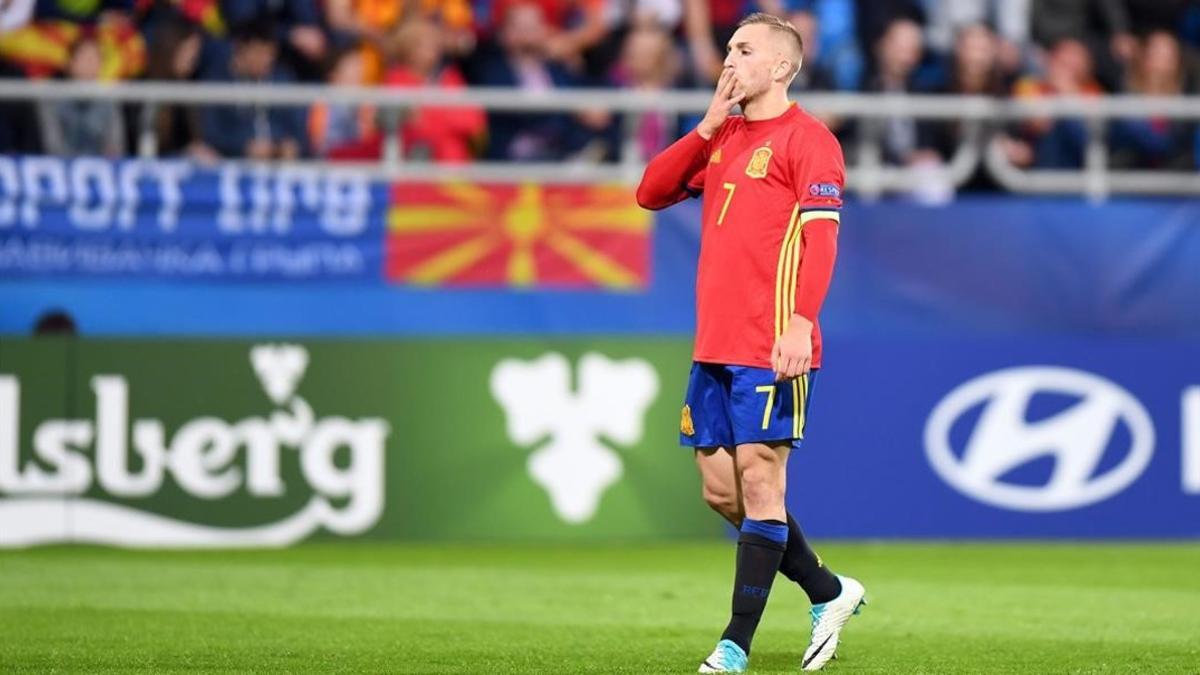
[781,271]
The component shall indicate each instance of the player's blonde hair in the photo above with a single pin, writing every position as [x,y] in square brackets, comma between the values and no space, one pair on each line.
[783,27]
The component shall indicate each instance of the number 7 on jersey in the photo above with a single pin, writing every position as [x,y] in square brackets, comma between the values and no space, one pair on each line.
[728,198]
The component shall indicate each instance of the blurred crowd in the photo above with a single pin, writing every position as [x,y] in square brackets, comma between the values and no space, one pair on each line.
[1004,48]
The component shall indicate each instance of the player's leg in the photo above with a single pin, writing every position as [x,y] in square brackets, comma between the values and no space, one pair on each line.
[763,536]
[705,426]
[719,483]
[722,492]
[771,411]
[801,563]
[764,412]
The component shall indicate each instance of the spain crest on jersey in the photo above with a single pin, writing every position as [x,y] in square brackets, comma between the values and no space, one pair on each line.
[757,168]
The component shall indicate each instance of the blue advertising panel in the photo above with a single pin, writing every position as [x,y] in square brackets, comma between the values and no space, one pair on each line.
[1051,437]
[173,220]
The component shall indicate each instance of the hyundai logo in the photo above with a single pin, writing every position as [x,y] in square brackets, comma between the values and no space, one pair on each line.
[1002,440]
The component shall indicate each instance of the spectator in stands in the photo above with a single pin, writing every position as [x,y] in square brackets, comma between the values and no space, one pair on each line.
[370,22]
[625,17]
[524,63]
[338,130]
[1103,26]
[1008,20]
[175,45]
[433,133]
[897,56]
[813,75]
[252,131]
[299,30]
[1049,142]
[976,65]
[708,25]
[1154,142]
[649,63]
[976,70]
[873,18]
[575,27]
[82,127]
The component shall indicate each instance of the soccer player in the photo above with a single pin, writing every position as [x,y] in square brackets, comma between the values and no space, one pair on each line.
[772,184]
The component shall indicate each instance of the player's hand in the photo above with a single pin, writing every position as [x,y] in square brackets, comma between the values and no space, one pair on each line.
[727,95]
[792,355]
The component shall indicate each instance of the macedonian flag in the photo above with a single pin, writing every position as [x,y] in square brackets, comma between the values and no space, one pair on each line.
[461,234]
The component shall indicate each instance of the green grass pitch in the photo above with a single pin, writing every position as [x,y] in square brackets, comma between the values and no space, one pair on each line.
[934,608]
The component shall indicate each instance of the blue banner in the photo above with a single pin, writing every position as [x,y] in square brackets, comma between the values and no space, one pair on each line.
[981,267]
[1002,438]
[175,220]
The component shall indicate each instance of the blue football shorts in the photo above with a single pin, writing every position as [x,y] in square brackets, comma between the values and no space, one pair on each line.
[730,405]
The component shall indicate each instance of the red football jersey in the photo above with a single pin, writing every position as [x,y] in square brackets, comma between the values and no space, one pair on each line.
[763,182]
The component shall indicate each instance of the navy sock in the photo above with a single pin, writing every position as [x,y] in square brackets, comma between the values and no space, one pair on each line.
[760,549]
[803,566]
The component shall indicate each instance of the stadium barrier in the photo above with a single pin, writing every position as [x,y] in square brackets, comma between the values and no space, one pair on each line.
[984,117]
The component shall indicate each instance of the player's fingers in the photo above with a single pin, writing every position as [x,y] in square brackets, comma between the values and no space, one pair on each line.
[736,98]
[788,365]
[725,83]
[727,91]
[779,366]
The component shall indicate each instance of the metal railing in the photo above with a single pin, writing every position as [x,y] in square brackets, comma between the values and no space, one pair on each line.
[983,119]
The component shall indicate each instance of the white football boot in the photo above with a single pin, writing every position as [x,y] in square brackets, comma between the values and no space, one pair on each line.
[828,619]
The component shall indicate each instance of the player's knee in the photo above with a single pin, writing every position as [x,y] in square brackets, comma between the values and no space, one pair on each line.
[724,502]
[761,488]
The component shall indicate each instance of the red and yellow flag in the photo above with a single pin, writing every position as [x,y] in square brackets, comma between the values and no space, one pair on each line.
[44,47]
[461,234]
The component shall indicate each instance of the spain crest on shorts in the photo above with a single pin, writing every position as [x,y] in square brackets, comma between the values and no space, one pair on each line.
[685,422]
[757,168]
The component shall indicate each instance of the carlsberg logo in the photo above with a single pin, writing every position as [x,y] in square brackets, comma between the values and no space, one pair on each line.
[44,501]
